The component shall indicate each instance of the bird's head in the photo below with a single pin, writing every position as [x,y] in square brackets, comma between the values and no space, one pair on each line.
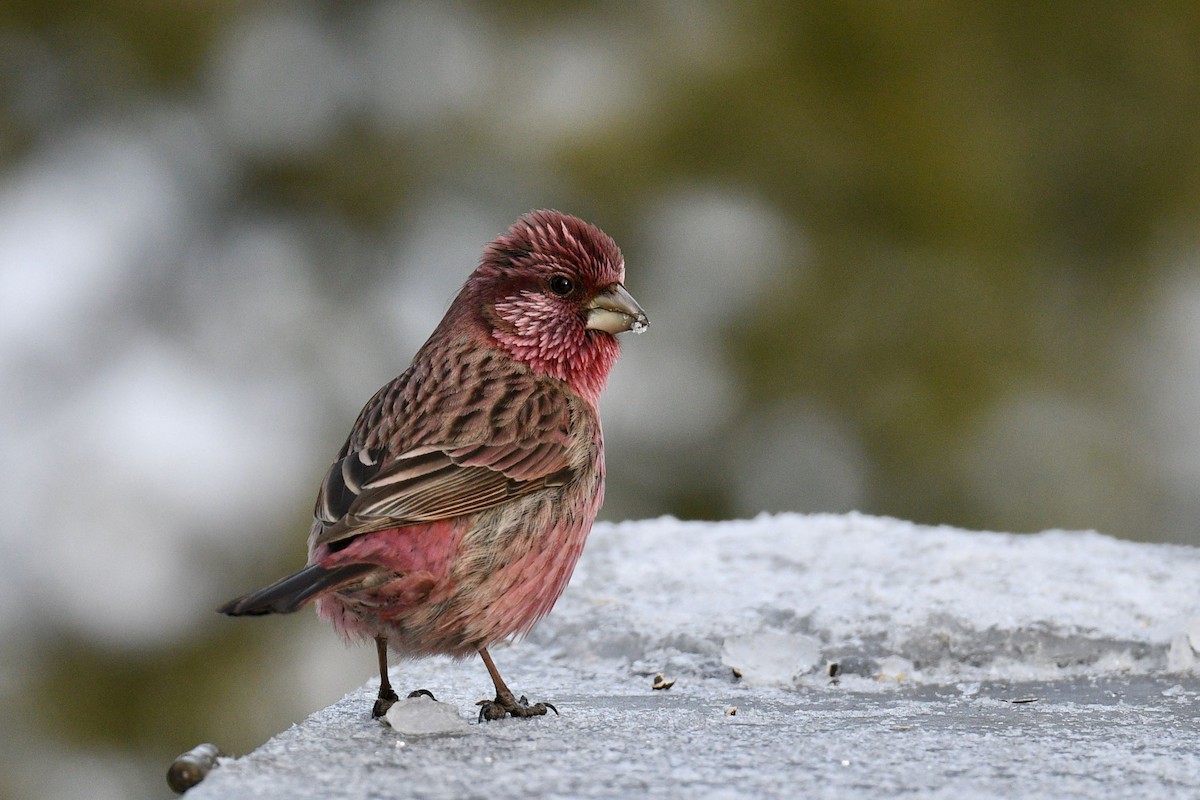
[550,293]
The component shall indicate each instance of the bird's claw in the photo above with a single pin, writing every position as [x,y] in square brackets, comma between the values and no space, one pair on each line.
[387,698]
[505,706]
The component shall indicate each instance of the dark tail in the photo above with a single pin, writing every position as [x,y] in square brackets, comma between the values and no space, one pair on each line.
[291,593]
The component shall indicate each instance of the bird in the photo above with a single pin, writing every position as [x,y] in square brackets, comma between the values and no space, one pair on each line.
[454,514]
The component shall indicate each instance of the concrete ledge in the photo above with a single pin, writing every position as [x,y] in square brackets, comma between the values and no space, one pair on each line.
[967,665]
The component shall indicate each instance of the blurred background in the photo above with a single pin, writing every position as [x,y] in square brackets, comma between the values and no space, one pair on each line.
[932,260]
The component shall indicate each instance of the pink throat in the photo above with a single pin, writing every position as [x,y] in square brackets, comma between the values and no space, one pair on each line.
[580,357]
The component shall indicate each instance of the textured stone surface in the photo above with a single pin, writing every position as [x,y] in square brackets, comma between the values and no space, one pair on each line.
[969,665]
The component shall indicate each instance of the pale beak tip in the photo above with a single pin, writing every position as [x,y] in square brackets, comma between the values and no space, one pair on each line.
[615,311]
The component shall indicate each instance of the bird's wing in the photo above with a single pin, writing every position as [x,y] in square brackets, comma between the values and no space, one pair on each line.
[367,490]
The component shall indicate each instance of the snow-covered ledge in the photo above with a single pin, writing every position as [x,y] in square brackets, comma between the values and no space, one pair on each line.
[967,665]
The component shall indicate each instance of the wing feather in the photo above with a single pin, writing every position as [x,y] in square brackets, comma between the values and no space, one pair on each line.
[369,488]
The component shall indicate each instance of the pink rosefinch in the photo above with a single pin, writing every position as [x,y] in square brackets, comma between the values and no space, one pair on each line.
[453,516]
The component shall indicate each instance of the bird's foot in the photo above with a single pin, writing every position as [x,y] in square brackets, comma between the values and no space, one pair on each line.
[505,705]
[387,698]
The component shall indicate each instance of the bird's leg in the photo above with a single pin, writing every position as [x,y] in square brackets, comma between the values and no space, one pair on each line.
[505,703]
[387,695]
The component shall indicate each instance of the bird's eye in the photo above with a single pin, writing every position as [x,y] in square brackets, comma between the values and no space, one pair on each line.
[561,285]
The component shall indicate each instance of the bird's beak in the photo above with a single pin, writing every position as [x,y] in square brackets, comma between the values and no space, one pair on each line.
[614,311]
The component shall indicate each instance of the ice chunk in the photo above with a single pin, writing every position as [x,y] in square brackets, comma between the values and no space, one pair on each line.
[420,716]
[1193,633]
[895,668]
[1181,657]
[1184,653]
[769,658]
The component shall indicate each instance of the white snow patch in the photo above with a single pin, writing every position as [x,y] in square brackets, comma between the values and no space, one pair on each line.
[959,605]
